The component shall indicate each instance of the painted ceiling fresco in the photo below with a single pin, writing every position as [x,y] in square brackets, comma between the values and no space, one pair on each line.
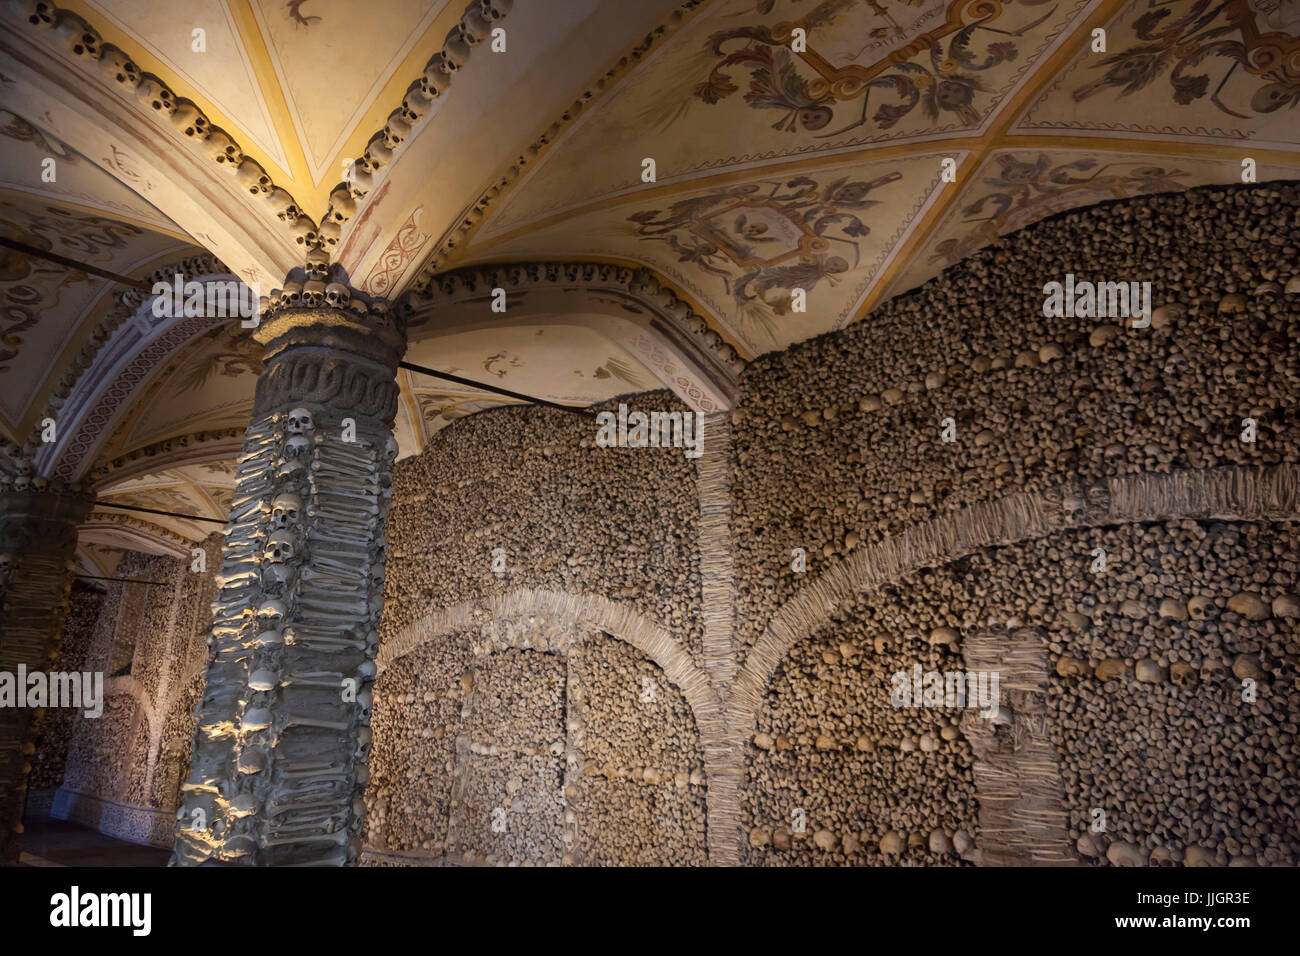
[567,364]
[46,309]
[1195,70]
[811,158]
[818,168]
[205,490]
[301,85]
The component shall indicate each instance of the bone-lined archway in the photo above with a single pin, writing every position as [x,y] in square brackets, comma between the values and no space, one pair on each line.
[1234,493]
[547,641]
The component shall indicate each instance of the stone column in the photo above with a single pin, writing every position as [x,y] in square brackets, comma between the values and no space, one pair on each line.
[38,543]
[279,760]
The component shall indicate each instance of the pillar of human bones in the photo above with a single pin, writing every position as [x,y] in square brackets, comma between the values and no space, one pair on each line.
[38,541]
[279,761]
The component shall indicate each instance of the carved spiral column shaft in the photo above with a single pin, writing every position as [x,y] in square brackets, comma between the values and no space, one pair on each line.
[38,541]
[279,761]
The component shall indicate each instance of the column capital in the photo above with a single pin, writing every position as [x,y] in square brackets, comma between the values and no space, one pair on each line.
[378,336]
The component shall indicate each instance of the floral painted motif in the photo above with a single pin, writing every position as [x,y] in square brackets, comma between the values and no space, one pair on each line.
[947,83]
[1223,37]
[765,239]
[1025,192]
[29,287]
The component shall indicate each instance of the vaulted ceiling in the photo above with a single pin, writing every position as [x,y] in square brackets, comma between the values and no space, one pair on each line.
[623,166]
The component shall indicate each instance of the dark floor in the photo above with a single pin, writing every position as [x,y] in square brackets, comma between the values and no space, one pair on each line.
[49,842]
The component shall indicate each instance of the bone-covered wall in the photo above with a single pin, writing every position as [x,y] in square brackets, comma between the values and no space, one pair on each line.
[121,771]
[86,605]
[635,684]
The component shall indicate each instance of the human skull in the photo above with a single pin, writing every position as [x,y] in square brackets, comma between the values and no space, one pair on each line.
[455,48]
[282,204]
[365,701]
[363,744]
[396,130]
[7,562]
[253,177]
[313,293]
[77,35]
[154,95]
[252,760]
[1199,607]
[474,26]
[223,150]
[1161,856]
[1182,673]
[342,206]
[435,80]
[304,231]
[117,67]
[270,613]
[296,446]
[280,547]
[291,294]
[1214,670]
[274,576]
[285,510]
[299,422]
[190,122]
[263,680]
[494,10]
[336,294]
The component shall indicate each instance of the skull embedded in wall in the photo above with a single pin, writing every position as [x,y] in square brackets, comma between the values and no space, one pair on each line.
[456,47]
[282,204]
[336,294]
[299,422]
[396,130]
[1213,670]
[304,231]
[313,293]
[291,294]
[1183,674]
[77,35]
[223,150]
[365,701]
[494,10]
[190,122]
[342,206]
[296,447]
[117,66]
[154,95]
[280,547]
[285,510]
[7,563]
[253,177]
[435,80]
[270,613]
[474,26]
[362,752]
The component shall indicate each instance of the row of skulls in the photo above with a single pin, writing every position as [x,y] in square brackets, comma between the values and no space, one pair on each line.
[286,507]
